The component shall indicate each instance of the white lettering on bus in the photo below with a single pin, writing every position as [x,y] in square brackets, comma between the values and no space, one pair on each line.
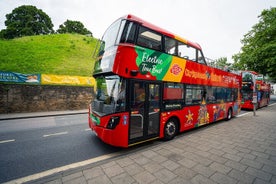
[149,64]
[152,69]
[146,58]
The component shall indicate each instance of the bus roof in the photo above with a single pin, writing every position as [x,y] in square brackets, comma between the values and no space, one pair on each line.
[160,30]
[252,72]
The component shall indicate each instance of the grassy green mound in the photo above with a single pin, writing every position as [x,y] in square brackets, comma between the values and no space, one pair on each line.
[60,54]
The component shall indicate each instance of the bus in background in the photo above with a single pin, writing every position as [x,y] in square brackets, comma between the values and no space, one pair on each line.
[153,84]
[251,80]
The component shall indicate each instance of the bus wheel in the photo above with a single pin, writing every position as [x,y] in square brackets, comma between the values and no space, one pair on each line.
[171,129]
[229,114]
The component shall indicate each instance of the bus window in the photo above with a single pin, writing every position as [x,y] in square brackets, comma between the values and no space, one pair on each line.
[173,96]
[154,96]
[139,95]
[210,95]
[186,52]
[229,95]
[200,58]
[234,94]
[128,35]
[220,94]
[110,36]
[170,46]
[173,91]
[150,39]
[247,77]
[194,95]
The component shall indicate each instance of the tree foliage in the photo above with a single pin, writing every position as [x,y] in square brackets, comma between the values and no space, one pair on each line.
[70,26]
[221,63]
[26,20]
[258,52]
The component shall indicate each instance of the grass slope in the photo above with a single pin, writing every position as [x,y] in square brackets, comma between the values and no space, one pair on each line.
[61,54]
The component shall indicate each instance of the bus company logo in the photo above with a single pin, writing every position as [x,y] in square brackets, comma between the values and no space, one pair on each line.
[176,69]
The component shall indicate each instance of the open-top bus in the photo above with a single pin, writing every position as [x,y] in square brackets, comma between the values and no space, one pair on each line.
[252,82]
[153,84]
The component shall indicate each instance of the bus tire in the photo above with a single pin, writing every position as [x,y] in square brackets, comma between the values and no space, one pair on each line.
[229,114]
[171,129]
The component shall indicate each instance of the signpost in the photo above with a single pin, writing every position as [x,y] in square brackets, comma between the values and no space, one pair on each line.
[254,100]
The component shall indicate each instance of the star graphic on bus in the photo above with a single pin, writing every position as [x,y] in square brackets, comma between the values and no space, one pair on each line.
[189,117]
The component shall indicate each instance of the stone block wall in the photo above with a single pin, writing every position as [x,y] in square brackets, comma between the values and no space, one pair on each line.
[16,98]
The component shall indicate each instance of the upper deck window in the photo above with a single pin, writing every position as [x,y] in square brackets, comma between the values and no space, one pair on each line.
[128,35]
[200,57]
[110,36]
[186,52]
[247,77]
[180,49]
[170,46]
[148,38]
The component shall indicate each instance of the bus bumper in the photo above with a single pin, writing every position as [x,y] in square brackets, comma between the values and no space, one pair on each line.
[112,137]
[247,105]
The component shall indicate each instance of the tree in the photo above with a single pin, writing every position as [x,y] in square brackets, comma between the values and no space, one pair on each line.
[70,26]
[222,63]
[258,52]
[26,20]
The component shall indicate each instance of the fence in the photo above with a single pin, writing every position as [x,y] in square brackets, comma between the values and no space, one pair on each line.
[43,92]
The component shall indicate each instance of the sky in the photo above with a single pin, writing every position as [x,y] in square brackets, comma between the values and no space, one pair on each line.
[217,25]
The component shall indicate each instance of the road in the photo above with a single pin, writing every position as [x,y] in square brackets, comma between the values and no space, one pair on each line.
[33,145]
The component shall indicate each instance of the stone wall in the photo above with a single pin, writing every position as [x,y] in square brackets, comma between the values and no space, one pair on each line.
[16,98]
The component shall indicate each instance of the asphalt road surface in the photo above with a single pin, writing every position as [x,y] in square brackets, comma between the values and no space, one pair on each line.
[33,145]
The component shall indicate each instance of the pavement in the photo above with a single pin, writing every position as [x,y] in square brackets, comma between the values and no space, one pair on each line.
[242,150]
[10,116]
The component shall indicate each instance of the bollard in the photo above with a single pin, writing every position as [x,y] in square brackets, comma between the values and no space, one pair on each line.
[254,101]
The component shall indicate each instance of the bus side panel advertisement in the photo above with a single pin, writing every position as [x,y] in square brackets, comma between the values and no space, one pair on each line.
[154,65]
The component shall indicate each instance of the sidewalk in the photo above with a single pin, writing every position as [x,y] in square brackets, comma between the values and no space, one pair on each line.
[242,150]
[40,114]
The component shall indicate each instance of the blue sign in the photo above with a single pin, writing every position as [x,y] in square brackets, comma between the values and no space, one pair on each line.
[19,77]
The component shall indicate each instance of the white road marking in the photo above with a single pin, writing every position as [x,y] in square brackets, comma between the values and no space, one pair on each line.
[240,115]
[87,129]
[63,168]
[6,141]
[55,134]
[252,111]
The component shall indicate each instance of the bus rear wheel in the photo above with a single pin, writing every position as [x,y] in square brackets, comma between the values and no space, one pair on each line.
[171,129]
[229,114]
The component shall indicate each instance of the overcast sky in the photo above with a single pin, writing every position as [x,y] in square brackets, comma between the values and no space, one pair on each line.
[217,25]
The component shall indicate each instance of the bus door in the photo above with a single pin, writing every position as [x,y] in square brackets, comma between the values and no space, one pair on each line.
[145,111]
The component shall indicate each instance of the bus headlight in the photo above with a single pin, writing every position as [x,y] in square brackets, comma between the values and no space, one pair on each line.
[113,122]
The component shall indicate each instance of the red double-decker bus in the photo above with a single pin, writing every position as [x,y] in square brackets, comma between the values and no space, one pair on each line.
[153,84]
[254,84]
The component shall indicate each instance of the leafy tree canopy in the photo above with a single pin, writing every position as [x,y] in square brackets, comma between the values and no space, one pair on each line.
[258,52]
[221,63]
[26,20]
[70,26]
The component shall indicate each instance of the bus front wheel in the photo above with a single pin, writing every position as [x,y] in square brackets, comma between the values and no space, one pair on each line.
[229,114]
[171,129]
